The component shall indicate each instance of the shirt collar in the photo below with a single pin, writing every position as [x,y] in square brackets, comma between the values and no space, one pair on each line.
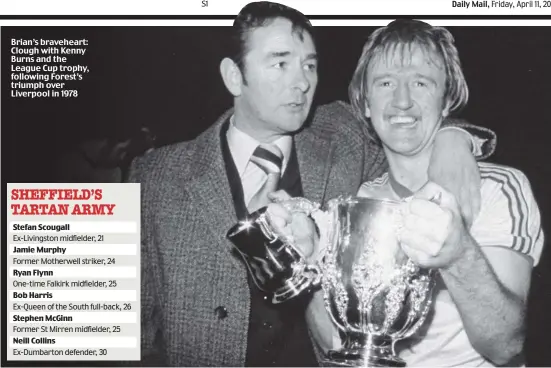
[398,189]
[242,146]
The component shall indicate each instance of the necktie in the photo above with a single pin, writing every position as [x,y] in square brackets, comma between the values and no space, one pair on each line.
[269,158]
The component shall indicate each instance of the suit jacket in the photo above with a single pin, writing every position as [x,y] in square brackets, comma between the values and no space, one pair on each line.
[195,295]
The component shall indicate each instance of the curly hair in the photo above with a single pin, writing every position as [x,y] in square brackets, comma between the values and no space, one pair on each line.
[403,35]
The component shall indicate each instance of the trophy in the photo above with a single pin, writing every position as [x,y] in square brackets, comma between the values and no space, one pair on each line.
[373,292]
[276,266]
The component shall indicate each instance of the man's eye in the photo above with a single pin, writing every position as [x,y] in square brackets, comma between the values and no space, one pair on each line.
[311,66]
[280,65]
[385,84]
[419,84]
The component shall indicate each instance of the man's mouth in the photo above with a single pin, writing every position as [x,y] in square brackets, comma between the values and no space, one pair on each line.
[296,106]
[404,121]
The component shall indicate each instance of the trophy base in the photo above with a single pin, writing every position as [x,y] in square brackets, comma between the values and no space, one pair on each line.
[361,358]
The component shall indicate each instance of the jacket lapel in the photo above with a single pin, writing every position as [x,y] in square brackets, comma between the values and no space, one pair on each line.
[314,153]
[216,202]
[210,192]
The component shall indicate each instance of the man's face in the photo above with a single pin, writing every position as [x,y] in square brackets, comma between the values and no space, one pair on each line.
[406,98]
[281,78]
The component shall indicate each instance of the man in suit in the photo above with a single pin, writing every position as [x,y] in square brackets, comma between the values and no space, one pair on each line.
[199,305]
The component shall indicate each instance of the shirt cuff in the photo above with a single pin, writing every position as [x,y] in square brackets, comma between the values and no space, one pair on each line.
[476,142]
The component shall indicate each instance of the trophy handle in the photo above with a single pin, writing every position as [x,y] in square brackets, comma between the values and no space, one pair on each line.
[273,260]
[321,219]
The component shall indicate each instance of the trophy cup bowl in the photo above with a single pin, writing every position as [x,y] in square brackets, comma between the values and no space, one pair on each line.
[374,293]
[274,264]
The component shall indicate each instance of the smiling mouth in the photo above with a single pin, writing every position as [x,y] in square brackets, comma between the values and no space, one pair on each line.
[402,120]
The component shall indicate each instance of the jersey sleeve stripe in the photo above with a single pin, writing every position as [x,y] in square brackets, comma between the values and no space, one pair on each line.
[514,207]
[515,181]
[518,207]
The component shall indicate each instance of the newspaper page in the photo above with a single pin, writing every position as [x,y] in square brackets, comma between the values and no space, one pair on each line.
[143,142]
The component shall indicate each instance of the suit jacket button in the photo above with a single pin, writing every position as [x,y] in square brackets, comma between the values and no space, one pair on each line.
[221,312]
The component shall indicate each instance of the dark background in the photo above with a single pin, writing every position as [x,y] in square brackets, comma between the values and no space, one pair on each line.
[167,78]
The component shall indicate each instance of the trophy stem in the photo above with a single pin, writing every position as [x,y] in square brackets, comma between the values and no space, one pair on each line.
[364,350]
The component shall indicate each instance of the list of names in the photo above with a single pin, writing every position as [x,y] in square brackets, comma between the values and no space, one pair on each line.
[73,267]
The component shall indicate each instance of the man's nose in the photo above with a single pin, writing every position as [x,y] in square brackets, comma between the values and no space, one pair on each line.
[301,81]
[402,97]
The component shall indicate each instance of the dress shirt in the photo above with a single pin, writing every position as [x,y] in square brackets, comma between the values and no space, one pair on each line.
[242,146]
